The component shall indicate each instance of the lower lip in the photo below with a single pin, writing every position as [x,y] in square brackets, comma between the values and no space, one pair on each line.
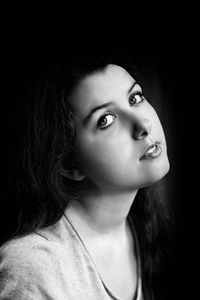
[156,153]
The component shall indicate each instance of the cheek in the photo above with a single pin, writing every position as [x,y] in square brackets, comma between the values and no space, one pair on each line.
[160,132]
[157,129]
[106,157]
[98,153]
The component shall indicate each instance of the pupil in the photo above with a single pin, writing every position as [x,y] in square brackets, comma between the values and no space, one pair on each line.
[103,122]
[132,100]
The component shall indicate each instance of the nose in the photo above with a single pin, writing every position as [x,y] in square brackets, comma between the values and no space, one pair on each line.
[141,128]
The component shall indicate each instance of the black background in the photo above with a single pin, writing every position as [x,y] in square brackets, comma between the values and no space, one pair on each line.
[170,55]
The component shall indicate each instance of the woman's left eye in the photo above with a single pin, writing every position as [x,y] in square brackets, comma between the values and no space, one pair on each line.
[136,98]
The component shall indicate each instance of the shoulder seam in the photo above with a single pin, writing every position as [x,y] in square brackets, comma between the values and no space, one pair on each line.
[41,235]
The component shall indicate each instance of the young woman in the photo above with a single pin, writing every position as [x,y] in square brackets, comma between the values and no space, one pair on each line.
[92,220]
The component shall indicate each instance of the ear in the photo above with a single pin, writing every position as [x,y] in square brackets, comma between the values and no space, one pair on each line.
[73,174]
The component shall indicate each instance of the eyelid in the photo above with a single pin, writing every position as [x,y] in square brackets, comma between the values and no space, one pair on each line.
[108,113]
[137,93]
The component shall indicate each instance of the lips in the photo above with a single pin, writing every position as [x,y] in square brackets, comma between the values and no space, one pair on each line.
[152,151]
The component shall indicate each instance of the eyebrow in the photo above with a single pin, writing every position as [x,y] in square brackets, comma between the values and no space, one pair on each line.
[132,87]
[107,104]
[86,120]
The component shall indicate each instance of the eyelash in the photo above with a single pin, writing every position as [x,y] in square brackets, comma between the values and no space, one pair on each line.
[104,117]
[133,95]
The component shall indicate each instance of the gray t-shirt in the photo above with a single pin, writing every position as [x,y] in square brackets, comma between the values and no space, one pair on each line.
[54,264]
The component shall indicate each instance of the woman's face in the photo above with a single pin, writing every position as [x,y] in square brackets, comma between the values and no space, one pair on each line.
[115,126]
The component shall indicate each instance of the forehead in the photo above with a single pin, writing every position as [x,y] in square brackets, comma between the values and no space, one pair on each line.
[104,81]
[99,87]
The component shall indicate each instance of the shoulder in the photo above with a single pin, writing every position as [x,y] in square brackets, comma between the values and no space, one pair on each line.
[26,256]
[26,248]
[38,249]
[30,267]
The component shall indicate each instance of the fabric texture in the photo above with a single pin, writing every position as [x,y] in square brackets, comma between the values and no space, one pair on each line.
[52,264]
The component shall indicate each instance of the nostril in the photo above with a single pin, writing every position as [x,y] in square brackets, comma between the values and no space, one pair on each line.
[141,129]
[144,133]
[140,134]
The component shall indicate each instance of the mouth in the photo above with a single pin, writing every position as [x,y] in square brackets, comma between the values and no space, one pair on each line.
[152,151]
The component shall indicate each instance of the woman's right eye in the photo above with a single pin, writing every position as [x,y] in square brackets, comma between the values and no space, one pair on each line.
[106,121]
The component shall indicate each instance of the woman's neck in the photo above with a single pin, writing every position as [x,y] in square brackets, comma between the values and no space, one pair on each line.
[102,213]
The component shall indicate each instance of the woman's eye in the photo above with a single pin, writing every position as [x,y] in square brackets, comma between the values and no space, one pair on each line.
[136,98]
[105,121]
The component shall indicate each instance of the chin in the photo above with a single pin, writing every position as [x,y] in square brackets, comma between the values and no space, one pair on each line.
[158,173]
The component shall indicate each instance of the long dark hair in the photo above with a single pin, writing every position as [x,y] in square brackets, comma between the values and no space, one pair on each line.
[48,148]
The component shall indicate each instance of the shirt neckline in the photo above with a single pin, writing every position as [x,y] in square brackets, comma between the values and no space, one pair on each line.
[138,292]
